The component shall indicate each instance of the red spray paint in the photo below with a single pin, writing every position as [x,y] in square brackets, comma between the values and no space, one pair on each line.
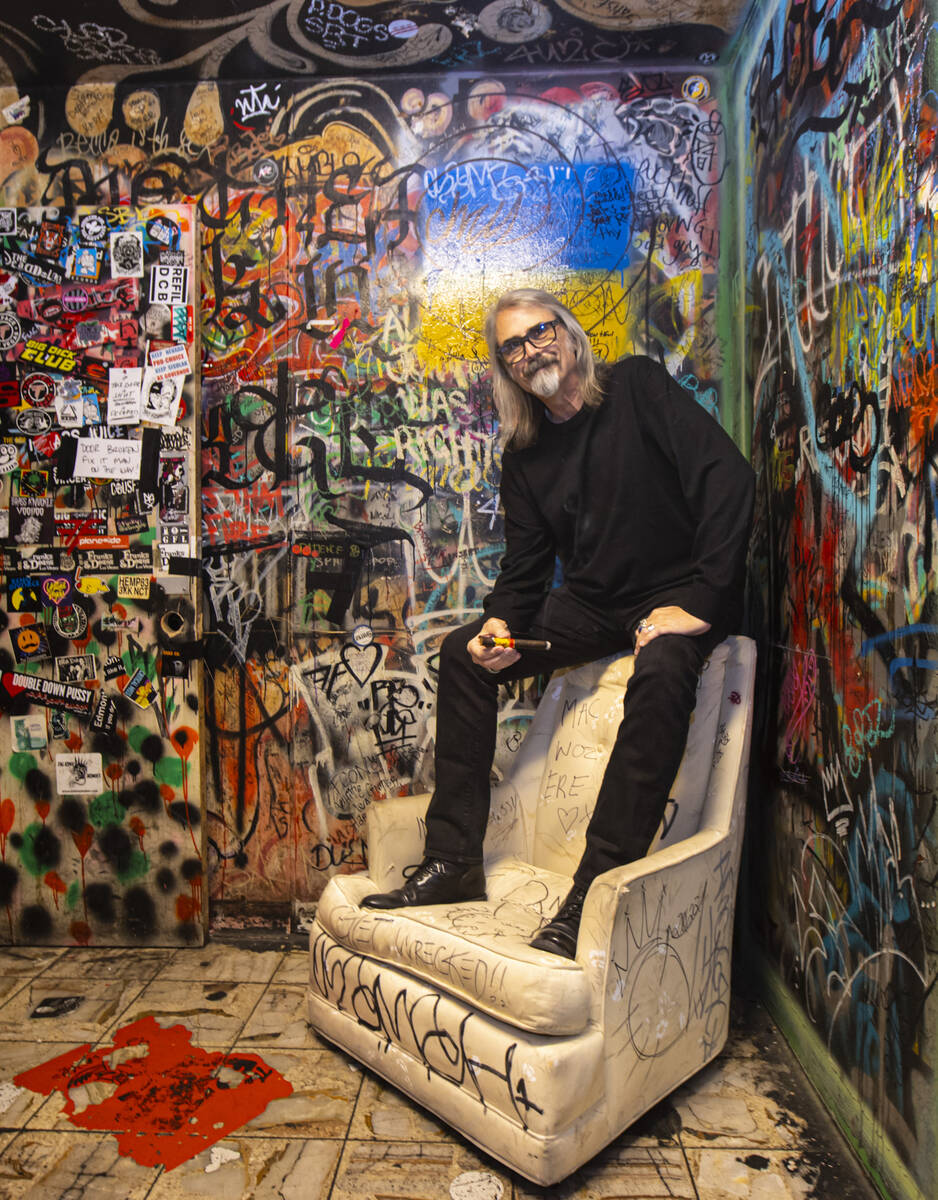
[168,1102]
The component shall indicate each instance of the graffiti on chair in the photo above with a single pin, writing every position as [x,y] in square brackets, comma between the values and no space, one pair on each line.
[411,1019]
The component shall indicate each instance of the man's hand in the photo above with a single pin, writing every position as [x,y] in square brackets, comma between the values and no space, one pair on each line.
[667,619]
[493,658]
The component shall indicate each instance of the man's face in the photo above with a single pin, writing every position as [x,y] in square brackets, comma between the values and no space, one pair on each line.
[543,371]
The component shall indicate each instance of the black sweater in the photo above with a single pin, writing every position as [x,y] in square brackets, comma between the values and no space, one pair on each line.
[645,500]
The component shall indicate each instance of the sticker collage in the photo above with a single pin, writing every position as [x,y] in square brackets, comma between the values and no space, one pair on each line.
[99,604]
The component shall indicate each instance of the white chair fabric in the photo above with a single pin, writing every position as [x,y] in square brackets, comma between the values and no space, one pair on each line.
[539,1059]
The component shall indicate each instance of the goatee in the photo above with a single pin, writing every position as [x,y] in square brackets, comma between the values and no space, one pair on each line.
[545,381]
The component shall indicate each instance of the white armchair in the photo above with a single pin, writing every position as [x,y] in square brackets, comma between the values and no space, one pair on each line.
[539,1059]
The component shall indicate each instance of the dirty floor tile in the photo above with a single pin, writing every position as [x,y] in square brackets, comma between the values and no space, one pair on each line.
[23,961]
[44,1165]
[772,1175]
[113,964]
[280,1020]
[387,1115]
[294,969]
[380,1170]
[322,1101]
[221,962]
[53,1008]
[621,1171]
[257,1168]
[19,1105]
[215,1012]
[737,1102]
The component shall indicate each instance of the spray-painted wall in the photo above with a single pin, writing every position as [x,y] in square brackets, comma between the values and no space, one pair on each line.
[841,123]
[353,235]
[101,836]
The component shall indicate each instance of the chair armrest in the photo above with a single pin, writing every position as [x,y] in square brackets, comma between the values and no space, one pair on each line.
[394,832]
[670,914]
[656,941]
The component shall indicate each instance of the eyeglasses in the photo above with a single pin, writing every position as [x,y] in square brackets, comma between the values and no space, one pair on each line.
[540,335]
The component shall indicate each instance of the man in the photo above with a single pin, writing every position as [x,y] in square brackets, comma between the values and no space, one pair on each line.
[647,503]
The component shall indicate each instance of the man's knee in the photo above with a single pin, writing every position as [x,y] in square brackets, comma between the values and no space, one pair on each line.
[453,648]
[672,655]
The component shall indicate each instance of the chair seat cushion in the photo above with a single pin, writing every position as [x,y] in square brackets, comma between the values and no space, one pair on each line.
[476,951]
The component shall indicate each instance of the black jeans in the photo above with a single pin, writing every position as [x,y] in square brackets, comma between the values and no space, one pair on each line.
[645,757]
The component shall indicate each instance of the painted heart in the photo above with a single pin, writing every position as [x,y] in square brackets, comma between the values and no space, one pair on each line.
[56,589]
[361,662]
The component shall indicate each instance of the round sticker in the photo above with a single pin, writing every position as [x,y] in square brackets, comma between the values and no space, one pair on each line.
[266,171]
[362,635]
[75,299]
[34,421]
[71,622]
[11,331]
[37,389]
[93,228]
[696,88]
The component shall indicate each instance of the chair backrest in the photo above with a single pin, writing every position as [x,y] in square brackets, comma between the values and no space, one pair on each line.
[541,808]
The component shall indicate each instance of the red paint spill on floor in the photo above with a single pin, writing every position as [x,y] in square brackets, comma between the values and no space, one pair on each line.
[169,1101]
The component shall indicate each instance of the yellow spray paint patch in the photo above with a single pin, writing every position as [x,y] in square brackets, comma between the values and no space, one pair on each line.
[452,320]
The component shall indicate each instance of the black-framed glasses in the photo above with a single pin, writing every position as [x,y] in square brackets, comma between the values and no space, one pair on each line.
[544,333]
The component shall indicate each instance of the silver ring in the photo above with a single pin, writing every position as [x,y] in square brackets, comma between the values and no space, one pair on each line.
[649,627]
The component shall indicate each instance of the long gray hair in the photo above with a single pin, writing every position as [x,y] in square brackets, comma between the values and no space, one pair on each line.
[518,410]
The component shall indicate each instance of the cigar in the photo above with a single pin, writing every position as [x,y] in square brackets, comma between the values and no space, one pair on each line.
[488,641]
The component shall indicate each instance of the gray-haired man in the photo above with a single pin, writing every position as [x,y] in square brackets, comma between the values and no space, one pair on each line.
[647,503]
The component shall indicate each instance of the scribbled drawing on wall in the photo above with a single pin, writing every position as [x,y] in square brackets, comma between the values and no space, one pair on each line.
[841,243]
[274,40]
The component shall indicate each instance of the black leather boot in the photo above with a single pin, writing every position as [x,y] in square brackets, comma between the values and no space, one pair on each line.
[434,882]
[559,935]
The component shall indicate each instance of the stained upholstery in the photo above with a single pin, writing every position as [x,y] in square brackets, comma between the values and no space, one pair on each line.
[539,1059]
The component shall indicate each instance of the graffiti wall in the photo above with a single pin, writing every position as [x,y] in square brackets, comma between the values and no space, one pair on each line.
[353,235]
[841,120]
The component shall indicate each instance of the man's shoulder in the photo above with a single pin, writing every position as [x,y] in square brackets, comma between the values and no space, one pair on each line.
[626,378]
[635,366]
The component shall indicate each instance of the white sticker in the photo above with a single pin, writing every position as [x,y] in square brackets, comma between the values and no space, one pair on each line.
[169,284]
[107,458]
[170,361]
[29,732]
[123,395]
[161,397]
[69,412]
[402,28]
[78,774]
[17,111]
[127,254]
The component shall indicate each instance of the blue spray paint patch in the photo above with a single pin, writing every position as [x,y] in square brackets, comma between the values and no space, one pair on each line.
[519,216]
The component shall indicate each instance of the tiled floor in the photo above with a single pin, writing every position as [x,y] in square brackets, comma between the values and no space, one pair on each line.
[747,1127]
